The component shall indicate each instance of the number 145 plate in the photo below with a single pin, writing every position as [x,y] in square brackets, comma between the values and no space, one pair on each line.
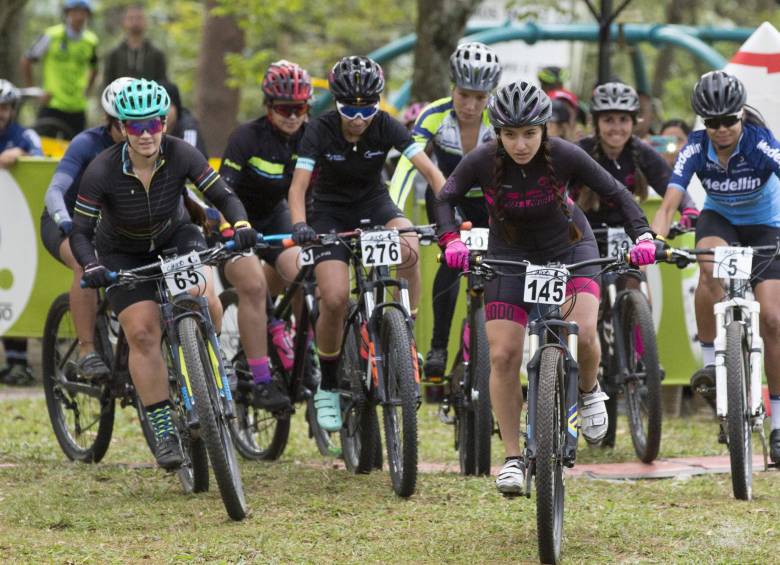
[545,285]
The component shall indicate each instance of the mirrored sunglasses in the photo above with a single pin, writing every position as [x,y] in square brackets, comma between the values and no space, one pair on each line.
[289,110]
[354,112]
[726,121]
[138,127]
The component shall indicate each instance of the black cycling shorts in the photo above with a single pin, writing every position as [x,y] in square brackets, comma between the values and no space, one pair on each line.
[329,217]
[712,224]
[51,236]
[186,238]
[504,294]
[278,221]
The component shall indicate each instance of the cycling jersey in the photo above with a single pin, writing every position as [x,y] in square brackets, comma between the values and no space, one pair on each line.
[350,172]
[188,129]
[258,164]
[745,192]
[24,138]
[533,219]
[655,169]
[438,125]
[132,219]
[64,185]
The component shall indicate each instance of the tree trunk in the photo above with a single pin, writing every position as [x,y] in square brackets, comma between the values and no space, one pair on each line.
[11,27]
[436,40]
[216,104]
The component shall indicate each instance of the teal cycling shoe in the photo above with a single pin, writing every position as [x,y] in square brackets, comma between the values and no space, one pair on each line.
[328,407]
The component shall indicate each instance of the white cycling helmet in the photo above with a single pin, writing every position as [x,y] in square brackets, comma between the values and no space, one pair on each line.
[9,94]
[107,99]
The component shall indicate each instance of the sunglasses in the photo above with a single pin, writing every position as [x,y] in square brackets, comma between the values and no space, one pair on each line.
[726,121]
[354,112]
[290,110]
[138,127]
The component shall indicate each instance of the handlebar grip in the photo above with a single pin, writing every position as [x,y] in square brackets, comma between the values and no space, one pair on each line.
[439,257]
[113,275]
[230,245]
[467,225]
[287,243]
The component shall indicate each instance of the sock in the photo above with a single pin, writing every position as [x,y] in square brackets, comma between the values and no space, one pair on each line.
[261,374]
[513,457]
[329,367]
[774,405]
[707,353]
[159,415]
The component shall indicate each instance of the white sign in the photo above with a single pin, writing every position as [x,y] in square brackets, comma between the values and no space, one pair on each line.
[545,285]
[476,239]
[618,243]
[733,262]
[306,256]
[183,272]
[380,248]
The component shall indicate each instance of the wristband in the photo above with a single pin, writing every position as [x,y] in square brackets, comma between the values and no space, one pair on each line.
[224,226]
[242,224]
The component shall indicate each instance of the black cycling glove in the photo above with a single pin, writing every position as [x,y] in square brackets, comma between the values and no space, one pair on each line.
[303,233]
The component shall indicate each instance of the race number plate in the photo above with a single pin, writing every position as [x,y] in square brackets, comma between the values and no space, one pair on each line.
[306,256]
[733,262]
[618,243]
[476,239]
[380,248]
[545,285]
[182,273]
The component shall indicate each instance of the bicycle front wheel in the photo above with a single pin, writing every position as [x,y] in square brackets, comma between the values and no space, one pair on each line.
[479,368]
[400,406]
[214,428]
[81,411]
[643,380]
[550,430]
[737,387]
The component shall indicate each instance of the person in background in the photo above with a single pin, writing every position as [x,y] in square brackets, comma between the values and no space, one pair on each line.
[15,141]
[551,78]
[560,124]
[572,104]
[136,56]
[68,56]
[679,130]
[181,122]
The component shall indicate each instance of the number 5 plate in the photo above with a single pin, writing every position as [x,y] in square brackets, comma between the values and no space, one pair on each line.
[545,285]
[476,239]
[182,273]
[733,262]
[380,248]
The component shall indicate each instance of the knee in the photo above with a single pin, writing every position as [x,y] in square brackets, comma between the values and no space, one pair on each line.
[333,302]
[707,282]
[143,337]
[770,323]
[587,339]
[504,361]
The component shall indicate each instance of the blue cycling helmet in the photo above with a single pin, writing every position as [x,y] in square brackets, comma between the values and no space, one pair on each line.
[71,4]
[142,99]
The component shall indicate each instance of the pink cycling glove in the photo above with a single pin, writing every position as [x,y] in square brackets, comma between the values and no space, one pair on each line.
[688,217]
[643,253]
[456,255]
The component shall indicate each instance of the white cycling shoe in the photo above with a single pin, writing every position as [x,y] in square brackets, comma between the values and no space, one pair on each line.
[511,477]
[593,415]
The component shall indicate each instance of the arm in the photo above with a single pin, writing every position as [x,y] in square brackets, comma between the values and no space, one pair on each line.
[209,183]
[27,73]
[663,217]
[403,178]
[684,167]
[458,184]
[296,197]
[86,213]
[429,170]
[658,174]
[33,55]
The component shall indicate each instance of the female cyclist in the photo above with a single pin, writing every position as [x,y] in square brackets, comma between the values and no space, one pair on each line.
[348,147]
[258,165]
[632,162]
[524,174]
[737,160]
[135,189]
[450,128]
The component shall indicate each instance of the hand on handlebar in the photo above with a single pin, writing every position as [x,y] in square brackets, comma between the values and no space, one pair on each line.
[96,275]
[644,252]
[688,218]
[303,233]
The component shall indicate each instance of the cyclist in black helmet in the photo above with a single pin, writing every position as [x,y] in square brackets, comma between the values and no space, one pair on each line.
[347,148]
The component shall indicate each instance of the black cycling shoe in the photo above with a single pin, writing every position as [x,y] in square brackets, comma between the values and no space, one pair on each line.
[92,366]
[703,382]
[774,446]
[435,365]
[168,453]
[17,374]
[269,396]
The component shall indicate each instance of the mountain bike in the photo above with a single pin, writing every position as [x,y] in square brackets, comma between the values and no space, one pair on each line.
[739,353]
[552,416]
[629,353]
[469,393]
[200,390]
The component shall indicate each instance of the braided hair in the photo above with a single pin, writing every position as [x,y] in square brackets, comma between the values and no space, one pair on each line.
[559,189]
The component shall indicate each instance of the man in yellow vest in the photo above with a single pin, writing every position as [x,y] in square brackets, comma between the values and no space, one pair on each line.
[68,53]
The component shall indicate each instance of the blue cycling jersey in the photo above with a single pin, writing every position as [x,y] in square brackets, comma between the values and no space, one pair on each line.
[64,186]
[24,138]
[747,190]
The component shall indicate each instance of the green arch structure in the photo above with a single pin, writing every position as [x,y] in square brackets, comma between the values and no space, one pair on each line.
[692,39]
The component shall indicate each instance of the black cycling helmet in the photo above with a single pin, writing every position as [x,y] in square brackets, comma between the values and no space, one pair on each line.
[519,104]
[614,97]
[356,79]
[718,93]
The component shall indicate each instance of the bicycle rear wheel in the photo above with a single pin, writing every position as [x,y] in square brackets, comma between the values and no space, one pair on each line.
[81,411]
[738,420]
[643,381]
[214,427]
[400,407]
[550,430]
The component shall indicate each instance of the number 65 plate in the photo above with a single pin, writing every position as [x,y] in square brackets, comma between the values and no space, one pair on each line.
[733,262]
[182,273]
[545,285]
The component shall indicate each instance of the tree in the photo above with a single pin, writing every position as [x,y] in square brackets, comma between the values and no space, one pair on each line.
[437,37]
[11,26]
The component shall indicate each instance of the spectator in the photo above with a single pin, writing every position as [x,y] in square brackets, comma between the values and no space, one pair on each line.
[68,53]
[560,124]
[136,56]
[181,123]
[15,141]
[679,130]
[551,78]
[572,103]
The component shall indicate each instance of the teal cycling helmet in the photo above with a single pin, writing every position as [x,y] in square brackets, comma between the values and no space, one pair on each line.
[142,99]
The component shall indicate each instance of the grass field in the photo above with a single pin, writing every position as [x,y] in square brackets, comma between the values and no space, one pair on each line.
[305,510]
